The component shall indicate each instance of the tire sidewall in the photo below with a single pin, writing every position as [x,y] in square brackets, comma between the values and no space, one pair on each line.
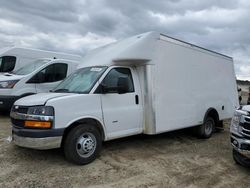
[208,135]
[201,129]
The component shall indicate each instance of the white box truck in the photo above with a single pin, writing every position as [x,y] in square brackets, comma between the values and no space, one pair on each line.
[13,58]
[38,76]
[149,83]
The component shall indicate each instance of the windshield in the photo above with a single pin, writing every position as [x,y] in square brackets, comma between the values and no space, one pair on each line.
[29,68]
[80,81]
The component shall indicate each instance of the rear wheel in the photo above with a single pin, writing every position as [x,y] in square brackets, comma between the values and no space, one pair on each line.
[207,128]
[82,144]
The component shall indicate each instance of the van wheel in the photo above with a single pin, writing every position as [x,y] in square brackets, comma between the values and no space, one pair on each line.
[207,128]
[82,144]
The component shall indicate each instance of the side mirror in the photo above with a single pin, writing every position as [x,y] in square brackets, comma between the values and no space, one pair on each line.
[103,88]
[123,85]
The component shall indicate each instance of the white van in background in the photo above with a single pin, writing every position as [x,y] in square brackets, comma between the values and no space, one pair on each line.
[149,83]
[13,58]
[38,76]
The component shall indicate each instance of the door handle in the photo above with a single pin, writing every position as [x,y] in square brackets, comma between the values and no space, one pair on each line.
[136,99]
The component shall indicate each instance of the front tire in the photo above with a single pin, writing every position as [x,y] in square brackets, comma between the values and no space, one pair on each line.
[241,159]
[207,128]
[82,144]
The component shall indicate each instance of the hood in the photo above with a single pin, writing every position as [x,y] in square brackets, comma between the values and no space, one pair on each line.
[246,108]
[40,99]
[9,76]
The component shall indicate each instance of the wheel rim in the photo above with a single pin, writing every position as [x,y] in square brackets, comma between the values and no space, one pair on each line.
[208,127]
[86,145]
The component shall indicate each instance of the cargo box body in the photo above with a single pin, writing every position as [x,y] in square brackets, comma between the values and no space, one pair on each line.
[182,82]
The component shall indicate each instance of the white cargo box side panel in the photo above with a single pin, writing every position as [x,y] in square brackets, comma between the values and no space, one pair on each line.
[187,83]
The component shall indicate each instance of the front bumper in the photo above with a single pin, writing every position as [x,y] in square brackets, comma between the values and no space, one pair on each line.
[37,138]
[6,102]
[37,143]
[241,145]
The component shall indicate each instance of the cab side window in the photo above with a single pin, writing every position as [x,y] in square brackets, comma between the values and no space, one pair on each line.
[52,73]
[7,63]
[60,71]
[112,79]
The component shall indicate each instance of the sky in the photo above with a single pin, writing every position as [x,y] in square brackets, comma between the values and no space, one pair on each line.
[77,26]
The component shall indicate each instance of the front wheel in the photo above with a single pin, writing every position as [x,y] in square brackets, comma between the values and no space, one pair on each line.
[207,128]
[82,144]
[241,159]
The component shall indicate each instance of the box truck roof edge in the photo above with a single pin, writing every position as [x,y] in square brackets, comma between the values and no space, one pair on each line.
[137,49]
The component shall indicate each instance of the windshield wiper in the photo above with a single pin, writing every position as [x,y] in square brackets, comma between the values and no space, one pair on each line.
[60,91]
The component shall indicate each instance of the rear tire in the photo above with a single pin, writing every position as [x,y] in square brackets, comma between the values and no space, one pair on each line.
[207,128]
[82,144]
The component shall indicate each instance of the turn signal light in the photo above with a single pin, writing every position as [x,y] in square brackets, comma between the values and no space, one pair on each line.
[37,124]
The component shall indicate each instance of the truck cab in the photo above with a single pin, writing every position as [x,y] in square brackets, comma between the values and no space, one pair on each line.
[107,99]
[240,135]
[41,75]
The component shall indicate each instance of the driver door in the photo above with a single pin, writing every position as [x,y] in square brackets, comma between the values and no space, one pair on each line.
[122,113]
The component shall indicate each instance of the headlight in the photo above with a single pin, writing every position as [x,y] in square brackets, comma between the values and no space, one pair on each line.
[234,128]
[8,84]
[41,110]
[40,117]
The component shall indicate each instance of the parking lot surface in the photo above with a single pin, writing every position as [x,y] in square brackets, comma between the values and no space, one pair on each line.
[176,159]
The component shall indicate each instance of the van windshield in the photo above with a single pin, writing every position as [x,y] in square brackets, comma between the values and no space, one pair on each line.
[80,81]
[29,68]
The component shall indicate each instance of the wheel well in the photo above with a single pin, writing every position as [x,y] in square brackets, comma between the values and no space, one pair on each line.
[90,121]
[211,112]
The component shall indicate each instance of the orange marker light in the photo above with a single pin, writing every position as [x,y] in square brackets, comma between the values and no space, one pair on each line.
[38,124]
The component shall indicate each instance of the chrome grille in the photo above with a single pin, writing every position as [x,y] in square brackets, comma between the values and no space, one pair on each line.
[20,109]
[245,130]
[17,123]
